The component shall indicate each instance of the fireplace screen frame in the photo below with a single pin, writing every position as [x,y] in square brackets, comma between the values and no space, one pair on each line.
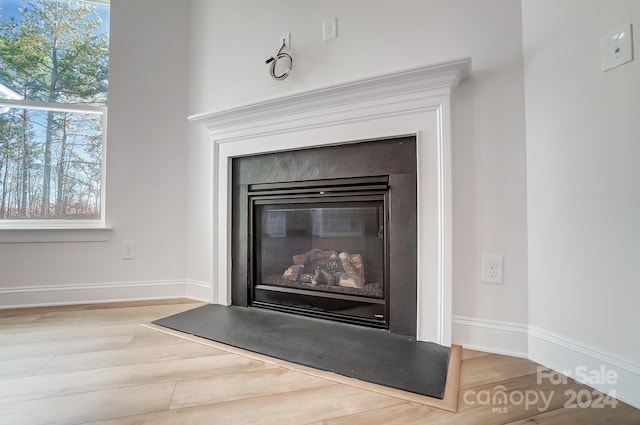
[350,308]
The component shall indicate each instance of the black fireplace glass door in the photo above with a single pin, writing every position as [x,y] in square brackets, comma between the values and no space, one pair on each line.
[336,248]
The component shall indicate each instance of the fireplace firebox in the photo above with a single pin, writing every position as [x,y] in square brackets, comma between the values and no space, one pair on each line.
[320,248]
[329,232]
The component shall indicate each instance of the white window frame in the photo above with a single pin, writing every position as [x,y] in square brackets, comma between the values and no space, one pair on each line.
[34,230]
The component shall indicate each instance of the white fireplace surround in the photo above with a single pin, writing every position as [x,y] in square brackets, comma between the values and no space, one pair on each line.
[411,102]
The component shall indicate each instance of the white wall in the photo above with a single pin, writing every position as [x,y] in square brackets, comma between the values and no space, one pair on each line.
[146,174]
[583,156]
[231,39]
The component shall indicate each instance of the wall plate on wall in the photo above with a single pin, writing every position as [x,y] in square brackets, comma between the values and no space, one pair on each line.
[492,269]
[617,47]
[329,29]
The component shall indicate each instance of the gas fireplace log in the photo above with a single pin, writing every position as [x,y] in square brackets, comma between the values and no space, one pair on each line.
[293,272]
[353,276]
[323,276]
[319,267]
[314,255]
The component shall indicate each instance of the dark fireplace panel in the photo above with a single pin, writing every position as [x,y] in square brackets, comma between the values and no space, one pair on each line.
[323,208]
[320,248]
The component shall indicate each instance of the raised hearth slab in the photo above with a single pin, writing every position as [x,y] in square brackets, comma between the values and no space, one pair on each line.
[371,355]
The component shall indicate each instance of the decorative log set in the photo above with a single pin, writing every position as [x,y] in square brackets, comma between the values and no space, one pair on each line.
[318,267]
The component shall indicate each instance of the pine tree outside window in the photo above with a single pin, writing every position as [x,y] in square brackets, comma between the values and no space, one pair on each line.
[53,107]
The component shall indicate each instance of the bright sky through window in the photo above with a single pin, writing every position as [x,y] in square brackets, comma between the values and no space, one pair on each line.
[54,74]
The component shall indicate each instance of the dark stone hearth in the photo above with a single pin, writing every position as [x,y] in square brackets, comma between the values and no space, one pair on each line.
[372,355]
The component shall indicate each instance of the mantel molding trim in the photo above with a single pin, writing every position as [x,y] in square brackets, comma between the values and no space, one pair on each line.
[334,104]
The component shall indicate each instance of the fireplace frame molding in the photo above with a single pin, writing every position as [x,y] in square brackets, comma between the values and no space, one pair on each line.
[411,102]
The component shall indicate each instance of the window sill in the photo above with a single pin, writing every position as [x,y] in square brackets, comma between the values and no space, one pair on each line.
[57,234]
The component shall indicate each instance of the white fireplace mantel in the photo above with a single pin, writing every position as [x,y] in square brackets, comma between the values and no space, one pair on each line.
[412,102]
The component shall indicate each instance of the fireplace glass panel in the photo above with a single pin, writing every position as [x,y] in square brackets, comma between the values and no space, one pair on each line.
[334,248]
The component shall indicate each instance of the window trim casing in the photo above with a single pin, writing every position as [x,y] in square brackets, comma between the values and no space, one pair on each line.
[13,231]
[21,231]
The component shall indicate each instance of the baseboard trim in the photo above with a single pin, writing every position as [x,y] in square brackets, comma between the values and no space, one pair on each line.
[54,295]
[198,290]
[566,355]
[552,350]
[492,336]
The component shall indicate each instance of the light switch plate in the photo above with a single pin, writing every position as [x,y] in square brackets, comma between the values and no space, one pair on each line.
[617,47]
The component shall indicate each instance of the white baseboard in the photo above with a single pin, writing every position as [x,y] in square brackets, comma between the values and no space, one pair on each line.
[492,336]
[566,356]
[52,295]
[198,290]
[557,352]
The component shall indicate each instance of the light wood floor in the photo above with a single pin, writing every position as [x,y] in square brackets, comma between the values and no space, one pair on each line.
[97,364]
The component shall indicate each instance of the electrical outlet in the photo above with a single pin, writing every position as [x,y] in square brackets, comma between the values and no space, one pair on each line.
[128,250]
[329,29]
[492,269]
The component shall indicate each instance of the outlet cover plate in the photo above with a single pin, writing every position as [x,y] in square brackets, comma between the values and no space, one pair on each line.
[492,269]
[128,250]
[617,47]
[329,29]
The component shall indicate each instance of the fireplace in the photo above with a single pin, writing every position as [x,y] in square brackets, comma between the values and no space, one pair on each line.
[319,248]
[329,232]
[414,101]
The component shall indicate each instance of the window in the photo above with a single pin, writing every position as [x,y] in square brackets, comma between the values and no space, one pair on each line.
[53,97]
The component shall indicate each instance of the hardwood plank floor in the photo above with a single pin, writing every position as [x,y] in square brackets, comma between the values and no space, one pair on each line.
[96,364]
